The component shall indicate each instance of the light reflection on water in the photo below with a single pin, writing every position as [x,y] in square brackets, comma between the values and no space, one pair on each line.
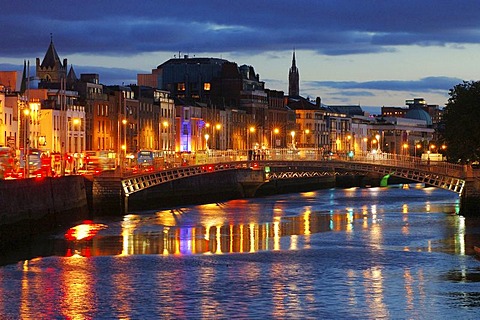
[242,226]
[354,253]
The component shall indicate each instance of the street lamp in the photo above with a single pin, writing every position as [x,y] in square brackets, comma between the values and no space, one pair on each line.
[250,130]
[405,148]
[292,133]
[218,126]
[124,145]
[274,138]
[26,113]
[305,133]
[206,140]
[165,141]
[377,136]
[417,146]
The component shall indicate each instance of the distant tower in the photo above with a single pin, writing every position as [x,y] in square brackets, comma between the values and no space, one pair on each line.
[51,70]
[293,79]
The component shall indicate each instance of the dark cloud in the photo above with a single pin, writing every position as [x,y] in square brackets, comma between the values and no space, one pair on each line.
[329,27]
[427,84]
[108,76]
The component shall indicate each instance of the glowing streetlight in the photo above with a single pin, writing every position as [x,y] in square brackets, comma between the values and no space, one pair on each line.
[292,133]
[405,148]
[377,136]
[418,146]
[305,133]
[251,130]
[206,140]
[275,132]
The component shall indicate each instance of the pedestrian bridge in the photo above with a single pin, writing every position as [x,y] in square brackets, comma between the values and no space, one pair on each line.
[310,163]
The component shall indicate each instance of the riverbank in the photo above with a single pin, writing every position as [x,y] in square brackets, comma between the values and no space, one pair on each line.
[30,207]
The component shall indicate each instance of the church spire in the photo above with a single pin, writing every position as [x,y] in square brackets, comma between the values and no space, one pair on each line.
[23,85]
[293,79]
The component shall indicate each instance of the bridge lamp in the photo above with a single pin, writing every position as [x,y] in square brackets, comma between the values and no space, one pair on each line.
[275,131]
[251,130]
[377,136]
[418,146]
[206,140]
[305,133]
[293,139]
[405,148]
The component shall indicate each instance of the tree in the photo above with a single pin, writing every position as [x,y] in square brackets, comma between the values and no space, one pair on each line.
[462,123]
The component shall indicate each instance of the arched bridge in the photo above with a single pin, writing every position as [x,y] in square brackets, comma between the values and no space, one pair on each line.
[310,163]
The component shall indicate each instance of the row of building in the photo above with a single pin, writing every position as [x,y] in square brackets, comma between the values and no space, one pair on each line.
[189,104]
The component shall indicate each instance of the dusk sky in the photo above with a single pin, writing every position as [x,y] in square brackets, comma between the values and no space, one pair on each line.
[372,53]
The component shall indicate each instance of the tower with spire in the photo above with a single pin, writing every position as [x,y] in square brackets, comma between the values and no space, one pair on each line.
[51,70]
[293,79]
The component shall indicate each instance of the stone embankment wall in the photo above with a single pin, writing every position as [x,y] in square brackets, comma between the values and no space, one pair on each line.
[34,206]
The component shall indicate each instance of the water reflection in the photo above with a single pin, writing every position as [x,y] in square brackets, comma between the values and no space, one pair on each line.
[216,229]
[373,254]
[226,228]
[210,238]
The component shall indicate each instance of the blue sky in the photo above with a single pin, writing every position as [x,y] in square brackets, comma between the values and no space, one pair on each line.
[371,53]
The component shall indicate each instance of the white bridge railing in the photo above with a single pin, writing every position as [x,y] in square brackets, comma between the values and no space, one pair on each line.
[442,174]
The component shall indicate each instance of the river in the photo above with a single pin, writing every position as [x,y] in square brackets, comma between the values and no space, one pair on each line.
[400,252]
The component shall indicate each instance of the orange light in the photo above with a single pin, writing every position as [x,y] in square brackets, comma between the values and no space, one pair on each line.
[84,231]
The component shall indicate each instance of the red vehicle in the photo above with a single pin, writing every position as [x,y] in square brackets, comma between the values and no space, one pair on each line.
[8,163]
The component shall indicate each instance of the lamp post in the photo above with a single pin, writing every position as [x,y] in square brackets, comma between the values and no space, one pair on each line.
[26,173]
[250,130]
[273,137]
[305,133]
[218,126]
[405,149]
[206,140]
[292,133]
[377,136]
[417,146]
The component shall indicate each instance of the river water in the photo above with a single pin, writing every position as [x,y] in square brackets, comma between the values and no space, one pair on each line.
[400,252]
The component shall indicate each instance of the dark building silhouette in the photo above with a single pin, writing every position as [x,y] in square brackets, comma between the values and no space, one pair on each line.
[293,79]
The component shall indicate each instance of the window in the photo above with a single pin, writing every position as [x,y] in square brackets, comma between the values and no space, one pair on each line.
[181,86]
[206,86]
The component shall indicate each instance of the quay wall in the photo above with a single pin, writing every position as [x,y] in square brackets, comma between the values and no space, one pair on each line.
[30,207]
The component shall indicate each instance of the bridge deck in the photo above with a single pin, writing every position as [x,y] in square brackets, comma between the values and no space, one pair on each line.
[439,174]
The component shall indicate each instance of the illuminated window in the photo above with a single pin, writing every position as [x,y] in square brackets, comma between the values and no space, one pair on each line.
[206,86]
[181,86]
